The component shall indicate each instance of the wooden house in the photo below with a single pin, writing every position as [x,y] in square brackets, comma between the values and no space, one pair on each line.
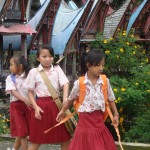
[12,22]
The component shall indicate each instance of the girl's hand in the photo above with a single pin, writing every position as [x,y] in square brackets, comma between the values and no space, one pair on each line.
[61,115]
[116,121]
[38,112]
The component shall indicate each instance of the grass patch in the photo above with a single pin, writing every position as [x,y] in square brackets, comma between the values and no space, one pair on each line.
[134,148]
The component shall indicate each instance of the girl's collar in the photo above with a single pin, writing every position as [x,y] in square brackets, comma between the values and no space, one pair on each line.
[22,75]
[99,81]
[40,68]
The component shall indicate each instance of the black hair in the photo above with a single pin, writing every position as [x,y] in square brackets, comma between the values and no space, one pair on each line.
[47,47]
[94,57]
[21,60]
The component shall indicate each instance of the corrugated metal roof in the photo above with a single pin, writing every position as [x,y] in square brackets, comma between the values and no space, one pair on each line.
[135,15]
[113,20]
[62,34]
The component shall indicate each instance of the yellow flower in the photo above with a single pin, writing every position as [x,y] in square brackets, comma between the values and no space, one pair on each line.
[148,91]
[124,31]
[111,39]
[115,90]
[137,83]
[119,98]
[121,119]
[121,50]
[147,60]
[138,46]
[117,57]
[132,36]
[124,34]
[144,51]
[123,89]
[134,52]
[121,110]
[0,115]
[4,127]
[123,130]
[135,46]
[105,41]
[3,121]
[127,43]
[107,52]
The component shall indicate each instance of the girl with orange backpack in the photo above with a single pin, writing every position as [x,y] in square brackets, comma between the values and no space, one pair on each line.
[91,132]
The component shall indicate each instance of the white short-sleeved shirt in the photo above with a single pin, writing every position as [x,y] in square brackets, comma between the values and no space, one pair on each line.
[18,86]
[94,98]
[35,82]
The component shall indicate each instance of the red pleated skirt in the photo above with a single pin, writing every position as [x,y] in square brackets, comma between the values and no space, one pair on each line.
[19,119]
[37,127]
[91,133]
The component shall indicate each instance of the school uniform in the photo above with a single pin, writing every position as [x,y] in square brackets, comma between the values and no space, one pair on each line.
[19,112]
[46,103]
[91,132]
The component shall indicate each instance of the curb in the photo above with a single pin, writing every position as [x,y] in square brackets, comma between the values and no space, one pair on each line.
[8,136]
[134,144]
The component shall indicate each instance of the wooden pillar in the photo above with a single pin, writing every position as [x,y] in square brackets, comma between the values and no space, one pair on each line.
[24,45]
[64,63]
[74,65]
[1,53]
[28,10]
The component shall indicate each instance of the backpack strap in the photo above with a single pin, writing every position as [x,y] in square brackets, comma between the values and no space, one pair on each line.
[104,89]
[82,90]
[13,78]
[107,108]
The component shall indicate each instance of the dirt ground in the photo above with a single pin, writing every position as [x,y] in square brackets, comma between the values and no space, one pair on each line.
[6,145]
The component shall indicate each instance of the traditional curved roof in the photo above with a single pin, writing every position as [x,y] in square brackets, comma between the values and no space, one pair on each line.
[112,21]
[34,22]
[135,15]
[2,2]
[65,23]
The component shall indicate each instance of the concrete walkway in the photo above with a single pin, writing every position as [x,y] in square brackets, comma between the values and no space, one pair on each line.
[5,145]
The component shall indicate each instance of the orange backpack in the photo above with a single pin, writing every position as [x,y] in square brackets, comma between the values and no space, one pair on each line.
[82,90]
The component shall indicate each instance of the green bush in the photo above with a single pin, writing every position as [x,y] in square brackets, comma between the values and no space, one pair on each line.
[128,68]
[140,130]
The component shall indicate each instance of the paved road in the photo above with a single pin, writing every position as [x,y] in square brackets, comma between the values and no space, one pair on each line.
[5,145]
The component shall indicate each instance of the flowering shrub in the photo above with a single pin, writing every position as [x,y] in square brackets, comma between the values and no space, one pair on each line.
[3,124]
[123,54]
[128,68]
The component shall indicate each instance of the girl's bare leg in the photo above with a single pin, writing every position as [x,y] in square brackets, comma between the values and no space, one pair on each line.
[34,146]
[24,143]
[64,145]
[17,143]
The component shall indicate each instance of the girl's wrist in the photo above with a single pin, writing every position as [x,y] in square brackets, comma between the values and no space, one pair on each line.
[116,114]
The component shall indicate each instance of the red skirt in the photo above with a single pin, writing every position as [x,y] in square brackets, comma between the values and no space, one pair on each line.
[92,134]
[37,127]
[19,119]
